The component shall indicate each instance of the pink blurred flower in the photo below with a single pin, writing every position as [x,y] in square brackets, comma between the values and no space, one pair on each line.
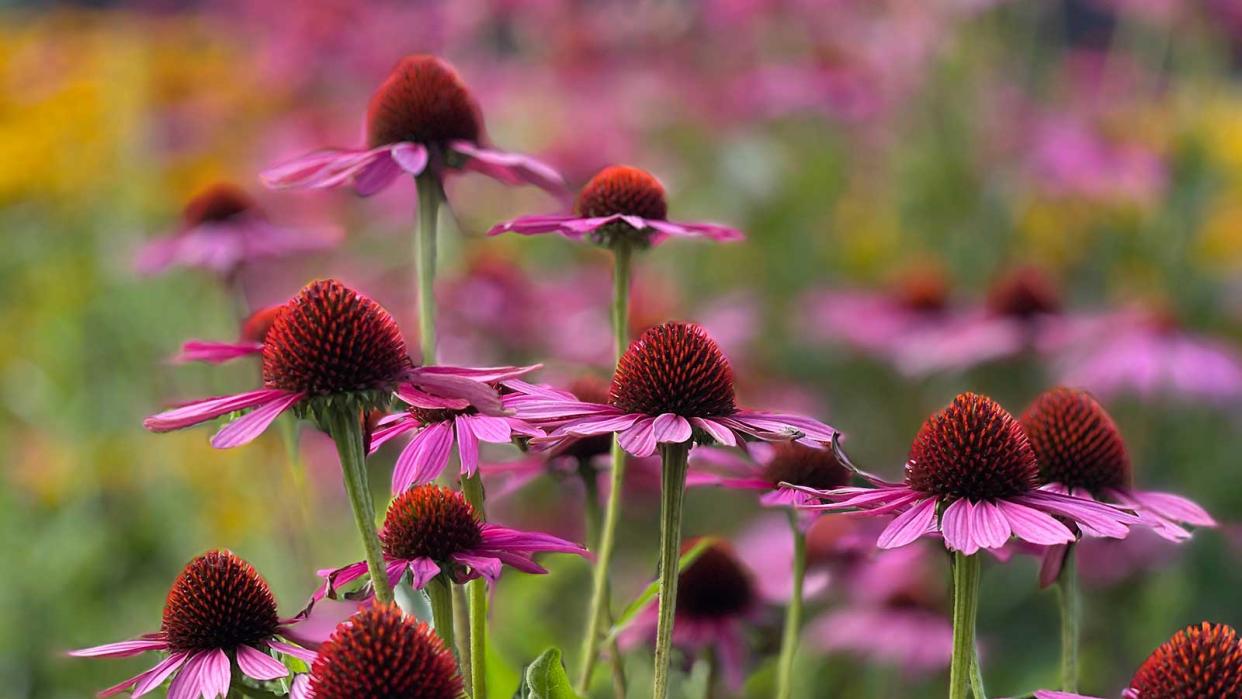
[1068,157]
[421,120]
[222,230]
[430,530]
[764,467]
[973,478]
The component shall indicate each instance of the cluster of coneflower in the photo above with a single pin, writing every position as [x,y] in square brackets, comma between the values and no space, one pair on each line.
[977,477]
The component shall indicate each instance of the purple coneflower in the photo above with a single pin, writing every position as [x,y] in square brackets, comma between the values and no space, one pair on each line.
[620,205]
[422,120]
[220,615]
[222,229]
[439,429]
[381,653]
[1199,662]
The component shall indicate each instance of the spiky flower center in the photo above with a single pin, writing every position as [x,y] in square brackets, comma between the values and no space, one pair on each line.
[329,339]
[1023,293]
[715,586]
[972,449]
[217,203]
[802,465]
[620,189]
[384,654]
[674,368]
[1076,442]
[1199,662]
[218,602]
[423,101]
[430,521]
[256,326]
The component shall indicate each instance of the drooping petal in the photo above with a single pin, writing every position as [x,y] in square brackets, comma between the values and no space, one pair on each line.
[485,565]
[989,525]
[909,525]
[671,429]
[639,439]
[1095,517]
[213,352]
[152,678]
[1034,526]
[511,168]
[955,525]
[410,157]
[244,429]
[259,665]
[187,683]
[422,570]
[200,411]
[215,674]
[339,577]
[301,687]
[315,624]
[304,654]
[400,425]
[1174,507]
[521,562]
[718,432]
[496,430]
[323,169]
[424,458]
[491,374]
[482,396]
[1046,694]
[376,176]
[121,649]
[467,447]
[1051,563]
[711,231]
[534,225]
[781,422]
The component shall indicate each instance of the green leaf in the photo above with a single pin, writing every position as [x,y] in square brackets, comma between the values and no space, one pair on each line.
[546,678]
[649,593]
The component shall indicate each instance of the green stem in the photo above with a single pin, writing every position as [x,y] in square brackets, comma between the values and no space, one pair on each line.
[976,675]
[440,593]
[672,495]
[594,525]
[476,595]
[1071,615]
[345,426]
[429,194]
[965,610]
[461,619]
[793,615]
[600,597]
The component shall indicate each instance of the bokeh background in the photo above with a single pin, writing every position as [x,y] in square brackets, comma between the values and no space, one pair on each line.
[861,144]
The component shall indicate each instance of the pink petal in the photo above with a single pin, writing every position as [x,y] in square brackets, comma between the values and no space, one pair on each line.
[304,654]
[323,169]
[496,430]
[259,665]
[216,352]
[909,525]
[154,677]
[534,225]
[955,524]
[340,577]
[422,570]
[314,625]
[1095,517]
[671,429]
[511,168]
[491,374]
[1051,563]
[467,447]
[1034,526]
[990,526]
[206,409]
[531,542]
[711,231]
[487,566]
[639,439]
[301,687]
[1046,694]
[481,395]
[244,429]
[411,157]
[121,649]
[720,433]
[1174,507]
[402,423]
[424,458]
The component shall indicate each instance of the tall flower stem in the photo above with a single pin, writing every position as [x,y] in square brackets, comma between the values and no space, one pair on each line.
[965,610]
[429,193]
[672,497]
[600,597]
[476,595]
[793,615]
[345,427]
[594,525]
[1071,615]
[440,593]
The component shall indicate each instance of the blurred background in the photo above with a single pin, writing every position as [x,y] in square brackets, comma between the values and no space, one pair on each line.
[939,195]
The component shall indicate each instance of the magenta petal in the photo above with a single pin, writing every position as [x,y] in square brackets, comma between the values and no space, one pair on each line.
[1174,507]
[1033,525]
[1095,517]
[301,687]
[401,424]
[710,231]
[244,429]
[909,525]
[476,393]
[1046,694]
[496,430]
[504,538]
[422,399]
[259,665]
[376,176]
[339,578]
[120,649]
[720,433]
[520,562]
[511,168]
[467,446]
[411,157]
[422,570]
[152,678]
[1051,563]
[187,683]
[215,674]
[424,458]
[990,527]
[639,439]
[487,566]
[955,525]
[590,426]
[314,626]
[216,352]
[489,374]
[322,169]
[534,225]
[671,429]
[304,654]
[206,409]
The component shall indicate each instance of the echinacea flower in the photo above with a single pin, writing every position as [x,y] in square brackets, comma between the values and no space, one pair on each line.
[716,602]
[330,345]
[253,332]
[672,386]
[973,478]
[422,120]
[220,614]
[381,653]
[439,430]
[1199,662]
[765,467]
[431,530]
[621,204]
[222,229]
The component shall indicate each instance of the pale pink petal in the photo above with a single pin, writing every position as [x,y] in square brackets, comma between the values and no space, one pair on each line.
[711,231]
[1034,526]
[1174,507]
[467,447]
[424,458]
[259,665]
[909,525]
[639,439]
[216,352]
[955,525]
[244,429]
[314,625]
[671,429]
[301,687]
[989,525]
[121,649]
[720,433]
[304,654]
[1094,517]
[411,157]
[206,409]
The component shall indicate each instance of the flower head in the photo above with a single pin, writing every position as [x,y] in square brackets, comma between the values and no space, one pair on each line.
[429,530]
[620,205]
[973,478]
[381,653]
[1024,292]
[422,120]
[330,347]
[673,385]
[1200,662]
[219,612]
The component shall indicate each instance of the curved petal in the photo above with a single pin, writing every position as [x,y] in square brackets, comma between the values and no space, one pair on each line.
[424,458]
[956,526]
[498,537]
[304,654]
[485,565]
[671,429]
[259,665]
[909,525]
[467,446]
[534,225]
[410,157]
[314,625]
[711,231]
[339,578]
[520,562]
[1034,526]
[639,439]
[511,168]
[477,393]
[121,649]
[200,411]
[403,423]
[376,176]
[496,430]
[152,678]
[422,570]
[1094,517]
[989,525]
[244,429]
[215,352]
[322,169]
[1174,507]
[301,687]
[718,432]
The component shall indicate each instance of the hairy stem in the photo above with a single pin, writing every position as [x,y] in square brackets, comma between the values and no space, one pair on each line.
[965,610]
[1071,615]
[345,426]
[440,593]
[672,496]
[793,615]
